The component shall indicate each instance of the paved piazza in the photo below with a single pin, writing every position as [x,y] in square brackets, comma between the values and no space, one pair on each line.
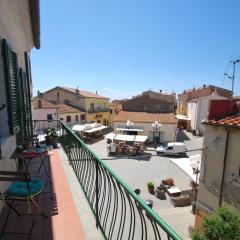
[137,171]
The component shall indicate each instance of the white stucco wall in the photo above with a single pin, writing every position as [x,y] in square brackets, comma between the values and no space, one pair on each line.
[41,113]
[15,27]
[212,167]
[198,111]
[192,111]
[168,129]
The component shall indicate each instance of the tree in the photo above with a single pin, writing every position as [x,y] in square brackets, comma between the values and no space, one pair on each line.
[223,224]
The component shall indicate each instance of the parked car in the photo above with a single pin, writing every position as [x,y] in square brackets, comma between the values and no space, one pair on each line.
[173,148]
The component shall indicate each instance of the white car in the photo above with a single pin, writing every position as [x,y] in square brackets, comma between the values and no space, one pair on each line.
[173,148]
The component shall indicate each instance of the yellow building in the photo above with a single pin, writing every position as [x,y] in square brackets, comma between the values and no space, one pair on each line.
[114,109]
[95,106]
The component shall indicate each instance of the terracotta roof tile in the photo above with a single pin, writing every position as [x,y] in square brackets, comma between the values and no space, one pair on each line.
[145,117]
[231,121]
[64,108]
[44,103]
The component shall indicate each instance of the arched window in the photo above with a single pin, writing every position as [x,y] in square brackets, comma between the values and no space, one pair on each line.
[39,104]
[58,97]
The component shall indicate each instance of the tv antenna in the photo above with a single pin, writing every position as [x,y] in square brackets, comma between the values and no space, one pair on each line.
[234,62]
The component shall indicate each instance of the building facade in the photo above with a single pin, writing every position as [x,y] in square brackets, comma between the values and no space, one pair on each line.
[114,110]
[220,165]
[195,93]
[152,102]
[19,33]
[198,110]
[71,115]
[143,121]
[95,106]
[44,110]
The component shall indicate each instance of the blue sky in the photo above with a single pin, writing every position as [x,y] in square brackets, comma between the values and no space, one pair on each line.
[121,48]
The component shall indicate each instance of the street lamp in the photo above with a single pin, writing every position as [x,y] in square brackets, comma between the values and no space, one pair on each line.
[129,123]
[156,127]
[196,171]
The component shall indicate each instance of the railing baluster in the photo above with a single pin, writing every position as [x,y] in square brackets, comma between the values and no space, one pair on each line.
[118,210]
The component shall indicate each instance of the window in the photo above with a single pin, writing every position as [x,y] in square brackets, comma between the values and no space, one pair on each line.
[99,106]
[49,117]
[12,86]
[111,111]
[76,118]
[58,97]
[68,119]
[66,101]
[83,118]
[39,104]
[92,107]
[61,119]
[170,148]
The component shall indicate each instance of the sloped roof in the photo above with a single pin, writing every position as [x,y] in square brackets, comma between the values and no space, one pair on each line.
[144,117]
[230,121]
[44,103]
[64,108]
[83,92]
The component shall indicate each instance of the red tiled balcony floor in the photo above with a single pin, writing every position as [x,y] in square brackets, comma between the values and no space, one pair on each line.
[63,221]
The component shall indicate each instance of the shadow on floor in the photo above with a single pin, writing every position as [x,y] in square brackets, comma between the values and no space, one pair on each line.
[145,157]
[181,136]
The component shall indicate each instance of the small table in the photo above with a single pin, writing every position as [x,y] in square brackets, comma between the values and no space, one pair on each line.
[174,191]
[29,157]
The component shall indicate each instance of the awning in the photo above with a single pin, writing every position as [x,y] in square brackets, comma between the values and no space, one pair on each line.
[95,129]
[126,138]
[130,129]
[183,117]
[84,127]
[185,165]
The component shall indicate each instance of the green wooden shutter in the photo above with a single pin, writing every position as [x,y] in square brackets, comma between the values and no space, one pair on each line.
[25,103]
[29,87]
[11,83]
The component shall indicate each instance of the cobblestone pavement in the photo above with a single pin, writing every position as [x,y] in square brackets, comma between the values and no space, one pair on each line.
[137,171]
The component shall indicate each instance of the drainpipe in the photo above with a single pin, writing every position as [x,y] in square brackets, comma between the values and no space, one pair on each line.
[224,168]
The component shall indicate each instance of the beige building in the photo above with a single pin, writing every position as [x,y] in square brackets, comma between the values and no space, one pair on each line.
[95,106]
[114,109]
[143,121]
[71,115]
[220,165]
[19,33]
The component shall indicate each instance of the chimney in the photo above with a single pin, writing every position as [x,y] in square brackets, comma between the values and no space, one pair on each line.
[77,91]
[39,94]
[204,85]
[160,90]
[96,93]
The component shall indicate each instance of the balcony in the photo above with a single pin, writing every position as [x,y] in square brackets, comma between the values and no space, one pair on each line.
[98,110]
[116,211]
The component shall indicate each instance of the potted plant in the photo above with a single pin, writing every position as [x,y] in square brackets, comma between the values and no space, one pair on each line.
[150,187]
[51,138]
[170,182]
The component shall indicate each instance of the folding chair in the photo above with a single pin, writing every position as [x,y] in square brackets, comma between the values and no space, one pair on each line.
[21,189]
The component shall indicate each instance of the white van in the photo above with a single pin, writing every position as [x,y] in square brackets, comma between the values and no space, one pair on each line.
[173,148]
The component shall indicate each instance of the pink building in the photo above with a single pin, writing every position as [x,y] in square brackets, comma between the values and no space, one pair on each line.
[44,110]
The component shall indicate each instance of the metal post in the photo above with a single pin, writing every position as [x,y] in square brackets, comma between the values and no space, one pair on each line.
[224,169]
[97,193]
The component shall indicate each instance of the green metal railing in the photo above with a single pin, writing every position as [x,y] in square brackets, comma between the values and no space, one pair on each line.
[120,213]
